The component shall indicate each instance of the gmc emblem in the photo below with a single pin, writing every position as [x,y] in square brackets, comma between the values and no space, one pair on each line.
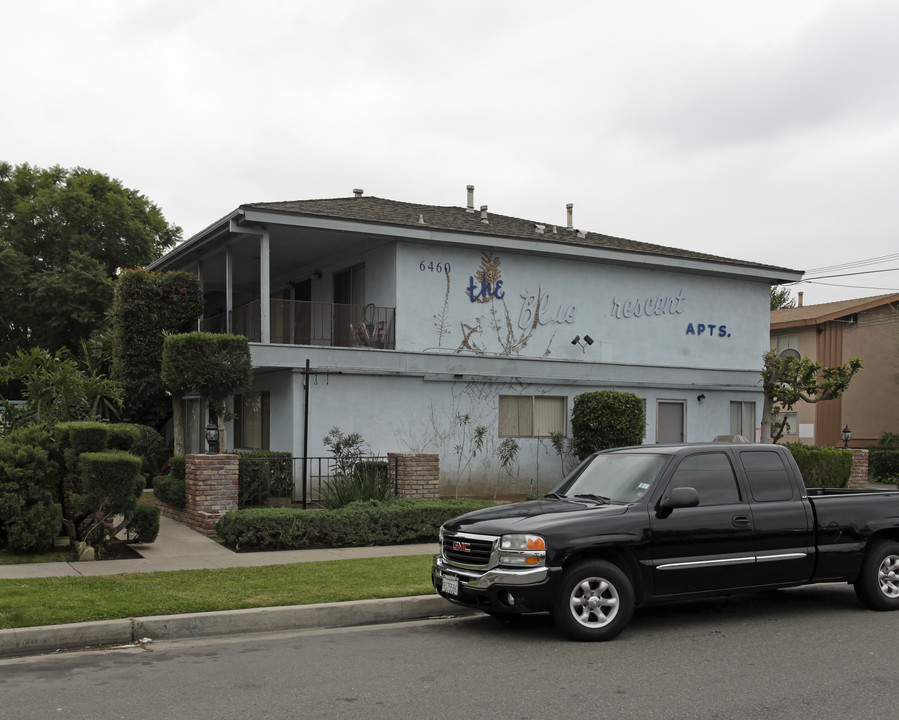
[461,546]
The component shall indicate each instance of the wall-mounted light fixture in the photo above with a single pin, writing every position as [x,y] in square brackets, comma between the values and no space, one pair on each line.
[317,274]
[700,397]
[587,340]
[847,436]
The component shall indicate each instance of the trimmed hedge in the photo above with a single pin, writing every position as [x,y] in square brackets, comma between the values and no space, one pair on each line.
[170,490]
[824,467]
[883,465]
[392,522]
[262,474]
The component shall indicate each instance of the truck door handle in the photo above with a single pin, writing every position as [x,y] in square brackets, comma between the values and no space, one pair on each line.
[742,521]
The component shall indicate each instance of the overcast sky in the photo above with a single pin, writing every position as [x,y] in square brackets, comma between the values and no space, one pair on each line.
[764,130]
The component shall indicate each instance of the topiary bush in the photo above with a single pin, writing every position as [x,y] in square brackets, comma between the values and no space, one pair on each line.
[824,467]
[394,522]
[144,526]
[606,419]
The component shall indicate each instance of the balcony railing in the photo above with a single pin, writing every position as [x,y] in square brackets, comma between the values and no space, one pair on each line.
[296,322]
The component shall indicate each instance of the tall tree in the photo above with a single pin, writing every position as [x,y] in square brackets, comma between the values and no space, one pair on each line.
[788,381]
[64,236]
[780,298]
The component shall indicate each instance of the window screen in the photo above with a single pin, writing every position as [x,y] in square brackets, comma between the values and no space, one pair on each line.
[530,416]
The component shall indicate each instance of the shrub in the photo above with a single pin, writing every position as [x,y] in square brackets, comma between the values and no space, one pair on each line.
[122,436]
[606,419]
[822,466]
[362,523]
[367,481]
[111,483]
[144,526]
[28,519]
[178,467]
[81,437]
[151,450]
[170,490]
[263,474]
[883,465]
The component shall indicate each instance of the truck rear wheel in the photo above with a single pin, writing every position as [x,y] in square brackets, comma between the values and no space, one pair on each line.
[878,582]
[596,601]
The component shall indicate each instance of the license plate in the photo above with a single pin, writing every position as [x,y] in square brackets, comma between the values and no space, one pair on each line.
[450,585]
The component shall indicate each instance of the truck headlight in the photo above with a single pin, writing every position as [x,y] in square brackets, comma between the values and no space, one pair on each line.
[522,550]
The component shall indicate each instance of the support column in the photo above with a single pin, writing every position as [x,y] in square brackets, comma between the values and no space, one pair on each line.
[415,475]
[229,286]
[265,287]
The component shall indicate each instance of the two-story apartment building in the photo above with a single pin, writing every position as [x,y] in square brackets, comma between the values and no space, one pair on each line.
[450,329]
[832,334]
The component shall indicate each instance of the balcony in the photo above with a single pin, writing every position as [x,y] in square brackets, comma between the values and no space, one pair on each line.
[296,322]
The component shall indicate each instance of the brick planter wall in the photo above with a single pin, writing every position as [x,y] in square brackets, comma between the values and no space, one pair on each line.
[210,490]
[859,475]
[415,475]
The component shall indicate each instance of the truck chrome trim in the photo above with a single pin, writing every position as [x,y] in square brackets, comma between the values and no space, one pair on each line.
[484,580]
[781,556]
[707,563]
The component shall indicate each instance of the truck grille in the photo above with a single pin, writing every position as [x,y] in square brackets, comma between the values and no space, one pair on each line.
[468,550]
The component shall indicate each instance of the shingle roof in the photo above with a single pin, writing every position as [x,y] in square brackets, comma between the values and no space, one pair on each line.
[459,219]
[815,314]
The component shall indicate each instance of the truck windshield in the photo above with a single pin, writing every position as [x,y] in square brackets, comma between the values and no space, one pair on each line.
[620,478]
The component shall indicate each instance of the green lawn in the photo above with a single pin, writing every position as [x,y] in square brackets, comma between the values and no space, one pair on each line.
[52,601]
[8,558]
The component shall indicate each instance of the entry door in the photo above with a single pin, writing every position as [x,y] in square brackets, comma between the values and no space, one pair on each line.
[670,423]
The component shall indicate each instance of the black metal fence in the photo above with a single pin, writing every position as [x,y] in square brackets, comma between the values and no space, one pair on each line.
[278,481]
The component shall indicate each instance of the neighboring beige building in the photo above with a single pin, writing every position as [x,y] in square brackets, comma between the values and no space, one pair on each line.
[832,334]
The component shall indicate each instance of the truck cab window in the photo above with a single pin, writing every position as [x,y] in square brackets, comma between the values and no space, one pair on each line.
[711,475]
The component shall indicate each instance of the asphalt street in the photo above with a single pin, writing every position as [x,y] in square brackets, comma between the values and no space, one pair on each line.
[800,653]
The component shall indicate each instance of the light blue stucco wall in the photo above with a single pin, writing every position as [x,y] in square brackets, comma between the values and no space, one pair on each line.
[659,333]
[634,314]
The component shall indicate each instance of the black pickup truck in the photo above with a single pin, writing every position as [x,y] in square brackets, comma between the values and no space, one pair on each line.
[663,522]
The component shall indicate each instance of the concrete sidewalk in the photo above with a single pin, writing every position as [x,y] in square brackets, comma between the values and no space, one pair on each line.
[180,548]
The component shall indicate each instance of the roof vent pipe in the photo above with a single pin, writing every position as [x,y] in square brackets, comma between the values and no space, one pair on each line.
[800,298]
[357,192]
[470,207]
[484,215]
[570,208]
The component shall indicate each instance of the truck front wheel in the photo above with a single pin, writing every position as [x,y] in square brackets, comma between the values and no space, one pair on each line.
[596,601]
[878,582]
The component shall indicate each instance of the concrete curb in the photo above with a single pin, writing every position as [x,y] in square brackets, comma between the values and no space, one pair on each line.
[33,640]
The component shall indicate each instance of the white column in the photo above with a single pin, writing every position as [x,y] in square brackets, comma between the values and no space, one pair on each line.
[229,286]
[265,287]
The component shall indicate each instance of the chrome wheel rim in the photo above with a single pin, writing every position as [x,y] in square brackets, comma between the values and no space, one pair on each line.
[594,602]
[888,576]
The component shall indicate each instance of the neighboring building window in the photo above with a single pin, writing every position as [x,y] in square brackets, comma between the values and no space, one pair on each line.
[792,426]
[742,419]
[780,343]
[532,416]
[251,421]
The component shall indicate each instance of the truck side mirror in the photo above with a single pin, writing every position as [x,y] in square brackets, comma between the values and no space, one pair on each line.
[681,497]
